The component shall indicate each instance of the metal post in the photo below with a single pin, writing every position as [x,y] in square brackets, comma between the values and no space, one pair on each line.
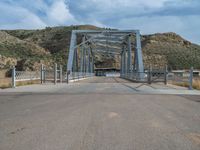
[71,51]
[75,61]
[84,61]
[81,64]
[129,60]
[92,65]
[139,61]
[60,73]
[88,63]
[42,74]
[55,73]
[13,77]
[123,70]
[121,65]
[191,78]
[165,73]
[68,76]
[135,62]
[150,75]
[82,58]
[125,63]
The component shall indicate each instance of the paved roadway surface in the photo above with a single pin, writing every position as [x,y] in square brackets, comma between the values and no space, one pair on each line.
[95,115]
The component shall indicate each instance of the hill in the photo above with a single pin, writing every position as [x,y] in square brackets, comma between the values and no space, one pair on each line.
[171,49]
[26,55]
[29,48]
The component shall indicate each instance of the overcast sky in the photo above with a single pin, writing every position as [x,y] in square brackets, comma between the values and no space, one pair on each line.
[150,16]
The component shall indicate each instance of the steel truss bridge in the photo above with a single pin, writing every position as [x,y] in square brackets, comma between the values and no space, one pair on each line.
[86,43]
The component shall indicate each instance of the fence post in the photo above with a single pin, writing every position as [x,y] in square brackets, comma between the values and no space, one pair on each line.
[60,73]
[68,72]
[45,70]
[191,78]
[55,73]
[42,74]
[13,77]
[166,72]
[150,75]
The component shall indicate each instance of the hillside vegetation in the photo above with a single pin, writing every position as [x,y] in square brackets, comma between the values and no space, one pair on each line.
[29,48]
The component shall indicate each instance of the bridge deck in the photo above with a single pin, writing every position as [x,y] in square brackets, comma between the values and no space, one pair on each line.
[94,115]
[105,85]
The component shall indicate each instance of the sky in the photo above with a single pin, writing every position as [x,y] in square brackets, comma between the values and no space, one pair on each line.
[149,16]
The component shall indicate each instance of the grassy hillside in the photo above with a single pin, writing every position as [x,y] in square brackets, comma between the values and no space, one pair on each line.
[15,51]
[31,47]
[171,49]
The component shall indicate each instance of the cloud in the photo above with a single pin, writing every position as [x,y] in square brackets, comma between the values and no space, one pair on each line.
[59,14]
[34,14]
[150,16]
[18,18]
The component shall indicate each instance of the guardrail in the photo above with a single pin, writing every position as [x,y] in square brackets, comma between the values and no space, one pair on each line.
[78,75]
[27,75]
[24,76]
[179,79]
[136,76]
[152,76]
[54,75]
[149,76]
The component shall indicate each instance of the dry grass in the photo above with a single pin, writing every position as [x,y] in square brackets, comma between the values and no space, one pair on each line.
[196,84]
[22,83]
[6,83]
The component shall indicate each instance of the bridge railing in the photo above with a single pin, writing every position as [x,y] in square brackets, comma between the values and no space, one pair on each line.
[186,78]
[27,75]
[136,76]
[22,76]
[46,74]
[148,76]
[79,75]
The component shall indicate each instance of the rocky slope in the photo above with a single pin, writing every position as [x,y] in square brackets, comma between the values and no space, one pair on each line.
[171,49]
[29,48]
[25,55]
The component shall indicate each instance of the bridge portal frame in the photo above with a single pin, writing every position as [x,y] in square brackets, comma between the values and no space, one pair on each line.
[87,58]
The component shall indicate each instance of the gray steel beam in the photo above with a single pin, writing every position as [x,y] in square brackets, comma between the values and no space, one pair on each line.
[92,65]
[107,41]
[71,51]
[121,64]
[75,66]
[108,46]
[105,31]
[109,49]
[115,38]
[107,35]
[140,65]
[129,60]
[124,61]
[88,59]
[82,57]
[108,52]
[101,33]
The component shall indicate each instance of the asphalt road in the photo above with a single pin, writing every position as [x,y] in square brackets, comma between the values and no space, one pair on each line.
[100,120]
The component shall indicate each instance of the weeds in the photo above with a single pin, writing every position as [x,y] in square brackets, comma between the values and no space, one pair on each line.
[195,84]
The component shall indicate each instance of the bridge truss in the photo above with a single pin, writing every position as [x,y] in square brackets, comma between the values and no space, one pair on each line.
[86,43]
